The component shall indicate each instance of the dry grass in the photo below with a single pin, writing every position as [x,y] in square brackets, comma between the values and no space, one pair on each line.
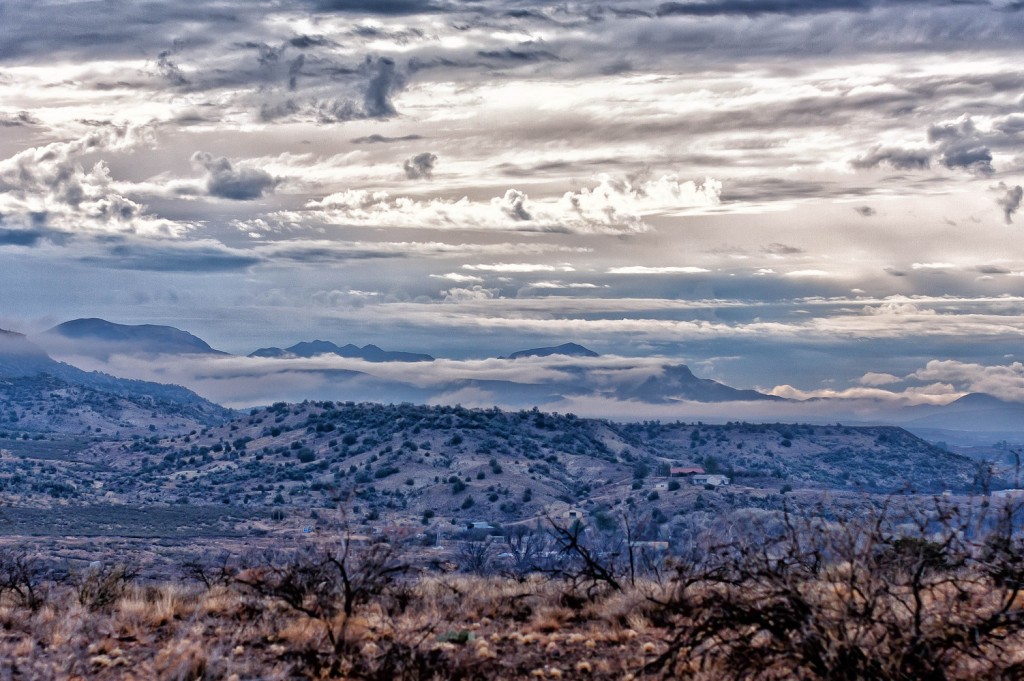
[811,606]
[455,627]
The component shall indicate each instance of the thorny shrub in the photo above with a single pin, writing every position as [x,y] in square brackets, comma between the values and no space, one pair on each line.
[853,601]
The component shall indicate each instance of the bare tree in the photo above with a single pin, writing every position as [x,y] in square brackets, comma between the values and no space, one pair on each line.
[476,557]
[324,582]
[22,576]
[526,548]
[864,599]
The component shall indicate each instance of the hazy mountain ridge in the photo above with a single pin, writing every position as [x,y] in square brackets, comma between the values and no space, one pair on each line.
[672,383]
[562,377]
[370,353]
[38,393]
[99,337]
[972,412]
[679,383]
[568,349]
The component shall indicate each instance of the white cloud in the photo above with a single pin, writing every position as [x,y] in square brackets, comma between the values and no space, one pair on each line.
[932,266]
[936,393]
[642,269]
[1004,381]
[798,274]
[560,285]
[611,207]
[874,378]
[517,268]
[897,309]
[53,186]
[461,295]
[459,278]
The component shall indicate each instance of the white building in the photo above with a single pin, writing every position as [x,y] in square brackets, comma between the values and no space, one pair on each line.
[710,479]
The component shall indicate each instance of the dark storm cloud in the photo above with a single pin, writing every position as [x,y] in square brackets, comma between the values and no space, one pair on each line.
[774,188]
[383,80]
[514,205]
[258,64]
[420,166]
[957,145]
[380,7]
[168,257]
[399,37]
[327,254]
[382,139]
[440,64]
[119,27]
[19,119]
[1010,200]
[294,69]
[304,42]
[21,237]
[511,55]
[558,167]
[992,269]
[752,8]
[170,70]
[115,27]
[228,182]
[781,249]
[192,118]
[900,159]
[1011,125]
[708,32]
[272,112]
[961,147]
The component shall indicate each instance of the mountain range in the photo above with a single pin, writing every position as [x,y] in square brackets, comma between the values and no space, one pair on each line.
[567,374]
[370,353]
[664,385]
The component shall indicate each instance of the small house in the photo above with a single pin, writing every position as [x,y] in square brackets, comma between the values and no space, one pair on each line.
[573,514]
[710,479]
[684,471]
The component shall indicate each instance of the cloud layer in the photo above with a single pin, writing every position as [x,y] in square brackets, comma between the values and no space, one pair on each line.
[779,191]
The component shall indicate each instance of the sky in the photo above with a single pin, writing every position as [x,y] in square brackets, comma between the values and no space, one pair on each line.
[810,198]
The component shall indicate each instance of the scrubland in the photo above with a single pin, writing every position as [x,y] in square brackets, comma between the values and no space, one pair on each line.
[805,599]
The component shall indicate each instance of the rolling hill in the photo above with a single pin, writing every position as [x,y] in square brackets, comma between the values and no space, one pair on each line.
[401,463]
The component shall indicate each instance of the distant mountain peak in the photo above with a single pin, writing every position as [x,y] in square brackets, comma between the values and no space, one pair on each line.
[101,337]
[568,349]
[979,400]
[678,382]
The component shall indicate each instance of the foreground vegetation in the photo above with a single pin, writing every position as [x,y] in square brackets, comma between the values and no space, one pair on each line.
[933,597]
